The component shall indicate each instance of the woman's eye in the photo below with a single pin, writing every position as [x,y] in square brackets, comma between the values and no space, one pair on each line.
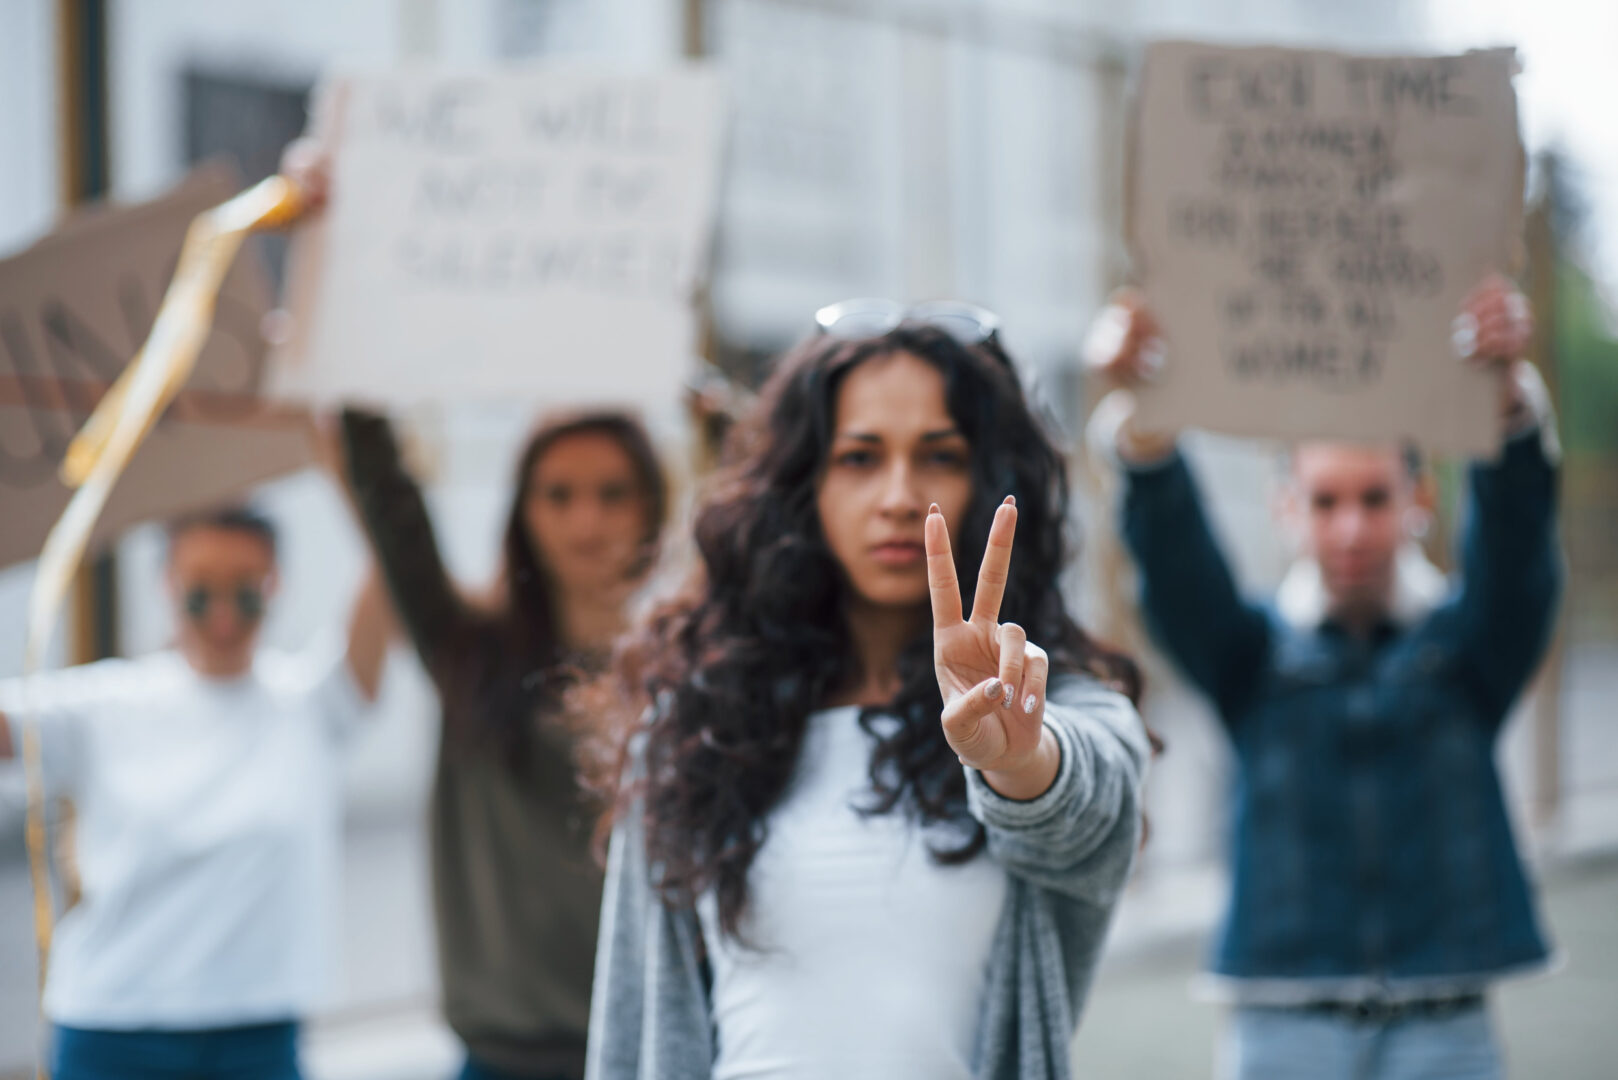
[949,459]
[615,494]
[857,459]
[558,496]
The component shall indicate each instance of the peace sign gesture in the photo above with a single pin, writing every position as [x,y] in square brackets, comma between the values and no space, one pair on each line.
[992,678]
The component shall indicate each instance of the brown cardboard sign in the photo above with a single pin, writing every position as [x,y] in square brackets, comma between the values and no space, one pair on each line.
[1305,225]
[74,309]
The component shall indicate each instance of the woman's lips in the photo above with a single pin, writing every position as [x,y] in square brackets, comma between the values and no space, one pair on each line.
[899,553]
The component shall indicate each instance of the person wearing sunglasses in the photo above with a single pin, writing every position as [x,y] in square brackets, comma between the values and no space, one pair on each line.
[857,831]
[206,779]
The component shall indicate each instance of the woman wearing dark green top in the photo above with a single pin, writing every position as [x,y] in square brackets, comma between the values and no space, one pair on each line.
[516,893]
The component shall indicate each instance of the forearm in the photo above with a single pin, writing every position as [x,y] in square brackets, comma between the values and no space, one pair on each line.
[1188,593]
[1511,567]
[370,630]
[394,515]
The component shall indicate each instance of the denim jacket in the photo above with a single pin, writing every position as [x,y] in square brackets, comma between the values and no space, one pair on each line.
[1371,851]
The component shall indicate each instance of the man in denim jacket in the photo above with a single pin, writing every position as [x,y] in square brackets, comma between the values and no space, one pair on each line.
[1376,888]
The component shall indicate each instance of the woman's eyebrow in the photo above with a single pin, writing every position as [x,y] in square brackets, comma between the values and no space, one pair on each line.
[927,436]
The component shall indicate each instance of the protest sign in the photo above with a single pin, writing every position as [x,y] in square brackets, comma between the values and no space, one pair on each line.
[1305,226]
[74,309]
[524,236]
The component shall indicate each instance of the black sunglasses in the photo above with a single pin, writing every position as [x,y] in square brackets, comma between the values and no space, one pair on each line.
[855,320]
[249,601]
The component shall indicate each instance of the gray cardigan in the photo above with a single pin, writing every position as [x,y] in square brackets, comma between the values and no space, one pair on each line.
[1067,853]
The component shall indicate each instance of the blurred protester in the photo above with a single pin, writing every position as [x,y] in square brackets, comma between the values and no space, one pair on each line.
[1376,889]
[207,781]
[854,838]
[516,889]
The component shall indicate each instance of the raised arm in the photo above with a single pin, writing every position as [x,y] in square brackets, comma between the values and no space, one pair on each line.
[1511,570]
[1054,769]
[370,629]
[394,516]
[1188,594]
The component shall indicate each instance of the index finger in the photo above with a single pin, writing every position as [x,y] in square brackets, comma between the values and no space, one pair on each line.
[996,564]
[942,583]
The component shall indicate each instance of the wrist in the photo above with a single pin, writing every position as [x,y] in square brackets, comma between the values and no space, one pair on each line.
[1138,447]
[1032,777]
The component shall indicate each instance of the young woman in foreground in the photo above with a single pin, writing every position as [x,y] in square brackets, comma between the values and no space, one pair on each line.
[859,835]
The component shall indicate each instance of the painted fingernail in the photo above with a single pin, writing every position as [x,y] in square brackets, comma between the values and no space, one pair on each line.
[1011,692]
[993,690]
[1011,500]
[1028,704]
[933,508]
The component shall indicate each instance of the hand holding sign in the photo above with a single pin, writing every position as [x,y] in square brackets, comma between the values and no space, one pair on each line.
[991,677]
[529,235]
[1491,333]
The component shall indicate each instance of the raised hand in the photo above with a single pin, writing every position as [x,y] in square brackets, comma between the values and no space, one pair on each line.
[1124,346]
[1495,324]
[991,677]
[306,162]
[1493,331]
[1124,349]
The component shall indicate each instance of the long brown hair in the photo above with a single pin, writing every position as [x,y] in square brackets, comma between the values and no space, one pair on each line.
[516,670]
[734,667]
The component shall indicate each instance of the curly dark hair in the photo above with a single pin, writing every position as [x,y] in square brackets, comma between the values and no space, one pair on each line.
[737,663]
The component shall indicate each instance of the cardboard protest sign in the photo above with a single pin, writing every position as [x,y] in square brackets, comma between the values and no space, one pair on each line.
[1305,226]
[74,308]
[531,235]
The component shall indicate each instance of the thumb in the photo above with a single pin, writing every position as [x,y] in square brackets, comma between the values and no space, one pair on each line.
[964,720]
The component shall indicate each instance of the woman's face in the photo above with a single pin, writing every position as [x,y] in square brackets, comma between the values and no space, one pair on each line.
[585,512]
[895,448]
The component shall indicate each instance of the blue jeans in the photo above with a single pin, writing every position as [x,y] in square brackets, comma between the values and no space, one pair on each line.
[476,1070]
[258,1052]
[1278,1043]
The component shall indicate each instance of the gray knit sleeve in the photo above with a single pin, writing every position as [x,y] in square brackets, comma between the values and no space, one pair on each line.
[1078,838]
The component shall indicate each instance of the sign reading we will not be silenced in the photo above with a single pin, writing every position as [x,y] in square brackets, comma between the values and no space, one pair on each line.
[528,235]
[1306,225]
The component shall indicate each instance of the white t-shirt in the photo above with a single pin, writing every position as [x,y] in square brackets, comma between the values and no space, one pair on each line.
[869,959]
[209,816]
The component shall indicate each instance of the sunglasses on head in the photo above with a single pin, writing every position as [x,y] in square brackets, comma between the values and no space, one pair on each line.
[248,599]
[855,320]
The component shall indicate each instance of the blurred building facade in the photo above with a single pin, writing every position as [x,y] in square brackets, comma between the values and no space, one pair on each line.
[905,148]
